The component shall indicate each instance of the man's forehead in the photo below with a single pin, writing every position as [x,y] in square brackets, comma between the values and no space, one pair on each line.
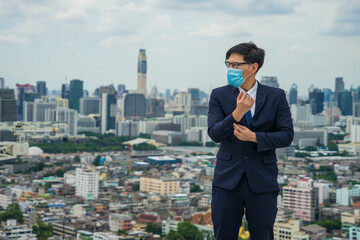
[236,56]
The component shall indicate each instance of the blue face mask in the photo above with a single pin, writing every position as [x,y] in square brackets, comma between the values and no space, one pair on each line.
[235,78]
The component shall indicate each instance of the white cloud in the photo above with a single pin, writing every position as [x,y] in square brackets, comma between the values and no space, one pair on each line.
[344,20]
[13,39]
[301,48]
[219,30]
[71,15]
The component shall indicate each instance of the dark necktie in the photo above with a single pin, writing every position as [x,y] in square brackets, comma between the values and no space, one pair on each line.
[248,118]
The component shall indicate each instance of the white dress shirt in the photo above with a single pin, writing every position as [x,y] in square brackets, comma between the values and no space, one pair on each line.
[252,92]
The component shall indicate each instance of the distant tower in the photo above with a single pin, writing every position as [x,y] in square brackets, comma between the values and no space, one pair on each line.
[141,82]
[339,87]
[293,94]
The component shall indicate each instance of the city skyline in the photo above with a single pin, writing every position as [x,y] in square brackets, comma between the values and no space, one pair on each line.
[306,42]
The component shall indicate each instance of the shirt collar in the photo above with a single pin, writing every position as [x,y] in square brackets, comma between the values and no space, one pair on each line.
[252,91]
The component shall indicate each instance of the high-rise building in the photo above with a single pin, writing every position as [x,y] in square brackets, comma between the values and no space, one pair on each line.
[303,199]
[141,75]
[87,183]
[65,91]
[76,92]
[270,81]
[28,112]
[167,94]
[2,83]
[7,105]
[356,102]
[155,108]
[134,106]
[89,105]
[24,93]
[195,95]
[41,88]
[40,109]
[345,102]
[64,115]
[62,102]
[121,88]
[316,99]
[108,112]
[293,94]
[339,86]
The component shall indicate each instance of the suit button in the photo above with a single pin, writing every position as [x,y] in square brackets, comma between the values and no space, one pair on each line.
[227,128]
[246,157]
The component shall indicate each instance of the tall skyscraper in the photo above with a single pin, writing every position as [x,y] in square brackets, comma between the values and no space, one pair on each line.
[293,94]
[107,112]
[41,88]
[76,92]
[89,105]
[316,99]
[24,93]
[339,86]
[270,81]
[155,108]
[345,102]
[134,106]
[142,67]
[65,91]
[7,105]
[356,103]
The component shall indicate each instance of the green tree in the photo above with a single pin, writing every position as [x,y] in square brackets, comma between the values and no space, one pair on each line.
[189,231]
[42,230]
[196,188]
[153,228]
[76,159]
[332,146]
[12,212]
[136,187]
[121,232]
[330,225]
[172,235]
[96,161]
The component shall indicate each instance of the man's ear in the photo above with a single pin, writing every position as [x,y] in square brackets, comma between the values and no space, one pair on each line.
[255,67]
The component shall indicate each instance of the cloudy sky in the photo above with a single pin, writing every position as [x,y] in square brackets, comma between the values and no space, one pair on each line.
[306,41]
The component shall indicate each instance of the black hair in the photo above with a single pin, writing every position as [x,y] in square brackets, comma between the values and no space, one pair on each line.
[251,53]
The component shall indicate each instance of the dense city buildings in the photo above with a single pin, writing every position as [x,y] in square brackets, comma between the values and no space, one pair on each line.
[118,163]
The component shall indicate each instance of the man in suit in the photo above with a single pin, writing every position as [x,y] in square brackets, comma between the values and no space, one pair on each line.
[249,120]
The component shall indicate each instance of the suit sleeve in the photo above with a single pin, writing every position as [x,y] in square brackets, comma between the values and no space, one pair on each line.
[219,125]
[283,133]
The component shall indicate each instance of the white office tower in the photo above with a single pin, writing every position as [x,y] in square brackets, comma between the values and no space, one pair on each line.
[87,183]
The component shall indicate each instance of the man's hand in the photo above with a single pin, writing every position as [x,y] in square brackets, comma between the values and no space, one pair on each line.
[244,134]
[244,102]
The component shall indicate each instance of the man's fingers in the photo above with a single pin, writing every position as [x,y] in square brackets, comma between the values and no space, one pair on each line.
[240,95]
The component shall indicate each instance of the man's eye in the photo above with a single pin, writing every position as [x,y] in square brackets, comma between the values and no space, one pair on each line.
[235,65]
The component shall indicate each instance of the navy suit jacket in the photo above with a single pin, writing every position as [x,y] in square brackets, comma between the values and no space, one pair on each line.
[272,125]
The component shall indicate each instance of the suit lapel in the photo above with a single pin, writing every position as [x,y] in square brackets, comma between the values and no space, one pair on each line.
[261,96]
